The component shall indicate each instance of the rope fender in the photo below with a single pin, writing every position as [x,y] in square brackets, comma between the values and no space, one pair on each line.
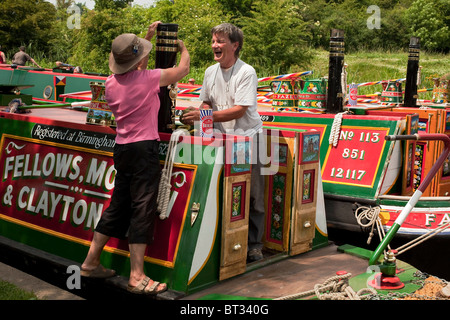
[336,129]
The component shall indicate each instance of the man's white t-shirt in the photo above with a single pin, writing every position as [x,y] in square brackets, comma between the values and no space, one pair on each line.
[225,88]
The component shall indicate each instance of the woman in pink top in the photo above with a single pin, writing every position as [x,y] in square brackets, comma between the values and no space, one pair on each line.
[132,94]
[2,56]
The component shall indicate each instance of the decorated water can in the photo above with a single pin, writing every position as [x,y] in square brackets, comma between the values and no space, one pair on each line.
[284,96]
[99,112]
[353,94]
[206,122]
[440,91]
[392,92]
[313,94]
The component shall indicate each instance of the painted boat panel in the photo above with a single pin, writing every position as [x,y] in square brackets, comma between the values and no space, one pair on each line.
[58,177]
[397,168]
[357,165]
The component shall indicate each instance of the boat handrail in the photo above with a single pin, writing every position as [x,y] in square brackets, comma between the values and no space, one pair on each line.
[415,197]
[397,197]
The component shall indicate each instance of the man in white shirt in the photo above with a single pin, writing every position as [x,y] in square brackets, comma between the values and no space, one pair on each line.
[230,89]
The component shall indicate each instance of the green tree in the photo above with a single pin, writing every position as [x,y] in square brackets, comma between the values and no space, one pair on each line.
[195,18]
[110,4]
[61,44]
[393,32]
[429,20]
[92,42]
[348,15]
[236,8]
[164,11]
[275,36]
[63,4]
[25,22]
[368,24]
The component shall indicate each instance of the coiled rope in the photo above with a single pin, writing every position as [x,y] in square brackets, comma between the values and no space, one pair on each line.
[334,288]
[372,216]
[166,174]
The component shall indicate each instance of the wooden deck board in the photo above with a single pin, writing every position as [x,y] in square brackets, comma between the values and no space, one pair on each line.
[289,276]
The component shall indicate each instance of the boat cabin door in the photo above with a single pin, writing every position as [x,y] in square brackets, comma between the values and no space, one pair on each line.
[290,198]
[291,192]
[235,210]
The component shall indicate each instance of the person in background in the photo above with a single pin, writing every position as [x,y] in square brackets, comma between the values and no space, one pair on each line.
[21,58]
[68,67]
[230,89]
[133,206]
[2,56]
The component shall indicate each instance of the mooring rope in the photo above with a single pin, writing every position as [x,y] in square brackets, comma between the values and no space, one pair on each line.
[166,174]
[336,127]
[421,239]
[371,215]
[334,288]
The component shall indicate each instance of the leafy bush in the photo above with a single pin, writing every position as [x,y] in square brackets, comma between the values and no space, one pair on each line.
[275,38]
[23,22]
[429,20]
[92,42]
[278,34]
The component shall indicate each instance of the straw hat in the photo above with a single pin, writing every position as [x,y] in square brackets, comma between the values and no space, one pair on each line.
[126,51]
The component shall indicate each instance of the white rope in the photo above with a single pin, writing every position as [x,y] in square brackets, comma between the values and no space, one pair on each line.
[334,288]
[419,75]
[421,239]
[371,215]
[344,84]
[166,174]
[336,129]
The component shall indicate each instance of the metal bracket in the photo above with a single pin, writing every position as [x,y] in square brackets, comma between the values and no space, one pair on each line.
[194,212]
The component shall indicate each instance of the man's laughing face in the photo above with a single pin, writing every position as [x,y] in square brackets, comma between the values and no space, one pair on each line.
[224,50]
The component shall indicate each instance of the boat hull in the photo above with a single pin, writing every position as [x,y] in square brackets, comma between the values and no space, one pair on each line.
[363,168]
[58,177]
[46,84]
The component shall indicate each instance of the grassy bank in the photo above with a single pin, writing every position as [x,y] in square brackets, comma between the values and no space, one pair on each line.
[370,66]
[9,291]
[375,66]
[363,66]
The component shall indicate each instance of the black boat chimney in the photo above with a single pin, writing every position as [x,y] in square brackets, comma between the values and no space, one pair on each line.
[411,73]
[335,96]
[166,55]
